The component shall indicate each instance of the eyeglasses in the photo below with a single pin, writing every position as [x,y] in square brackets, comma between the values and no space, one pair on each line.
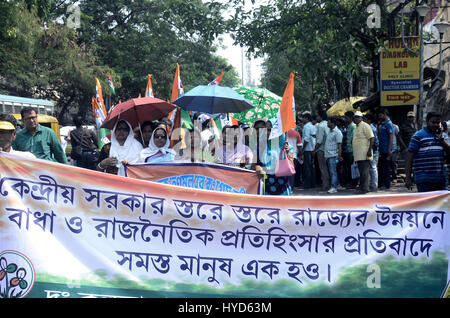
[30,118]
[158,136]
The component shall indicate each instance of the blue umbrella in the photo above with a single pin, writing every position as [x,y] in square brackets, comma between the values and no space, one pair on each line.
[213,99]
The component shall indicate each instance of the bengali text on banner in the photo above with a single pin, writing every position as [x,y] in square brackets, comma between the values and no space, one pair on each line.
[71,232]
[205,176]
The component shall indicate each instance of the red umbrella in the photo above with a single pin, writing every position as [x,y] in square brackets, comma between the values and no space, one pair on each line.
[137,110]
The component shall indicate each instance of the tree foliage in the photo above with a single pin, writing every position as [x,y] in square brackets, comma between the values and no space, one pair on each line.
[43,58]
[137,38]
[326,43]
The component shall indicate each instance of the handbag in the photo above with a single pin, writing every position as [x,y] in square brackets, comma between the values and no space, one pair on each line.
[355,171]
[285,167]
[77,151]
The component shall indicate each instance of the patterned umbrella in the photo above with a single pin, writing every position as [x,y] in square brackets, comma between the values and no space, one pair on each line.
[266,104]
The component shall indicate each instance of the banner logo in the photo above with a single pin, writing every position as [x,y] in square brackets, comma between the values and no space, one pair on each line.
[17,275]
[98,235]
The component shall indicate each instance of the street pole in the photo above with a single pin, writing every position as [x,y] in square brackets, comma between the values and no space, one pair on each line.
[422,11]
[420,106]
[242,65]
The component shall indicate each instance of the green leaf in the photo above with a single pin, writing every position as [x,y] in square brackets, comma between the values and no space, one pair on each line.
[23,284]
[11,268]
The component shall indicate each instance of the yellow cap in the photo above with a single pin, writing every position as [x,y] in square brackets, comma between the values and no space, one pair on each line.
[6,125]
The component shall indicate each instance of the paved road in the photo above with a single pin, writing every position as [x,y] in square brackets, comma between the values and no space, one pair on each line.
[395,189]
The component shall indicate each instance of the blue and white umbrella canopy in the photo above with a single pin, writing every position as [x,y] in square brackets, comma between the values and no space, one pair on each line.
[213,99]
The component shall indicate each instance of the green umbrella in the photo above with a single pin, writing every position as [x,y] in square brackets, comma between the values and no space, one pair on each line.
[266,104]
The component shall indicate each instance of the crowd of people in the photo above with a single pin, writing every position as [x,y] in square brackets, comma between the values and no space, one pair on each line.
[361,151]
[355,151]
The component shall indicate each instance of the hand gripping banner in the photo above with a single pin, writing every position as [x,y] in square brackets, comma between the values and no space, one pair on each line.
[206,176]
[70,232]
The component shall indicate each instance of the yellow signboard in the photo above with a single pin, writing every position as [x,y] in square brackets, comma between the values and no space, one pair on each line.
[400,72]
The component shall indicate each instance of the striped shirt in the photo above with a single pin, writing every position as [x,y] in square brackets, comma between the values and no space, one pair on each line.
[322,132]
[376,143]
[350,131]
[334,138]
[428,157]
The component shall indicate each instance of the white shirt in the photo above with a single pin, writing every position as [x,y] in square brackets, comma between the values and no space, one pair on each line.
[205,135]
[25,154]
[309,133]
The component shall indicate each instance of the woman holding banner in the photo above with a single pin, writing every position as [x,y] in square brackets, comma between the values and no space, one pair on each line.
[124,148]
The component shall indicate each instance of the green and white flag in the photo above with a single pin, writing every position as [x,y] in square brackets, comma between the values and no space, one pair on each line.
[111,85]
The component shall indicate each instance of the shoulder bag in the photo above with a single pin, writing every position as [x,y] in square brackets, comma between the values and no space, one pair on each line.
[285,167]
